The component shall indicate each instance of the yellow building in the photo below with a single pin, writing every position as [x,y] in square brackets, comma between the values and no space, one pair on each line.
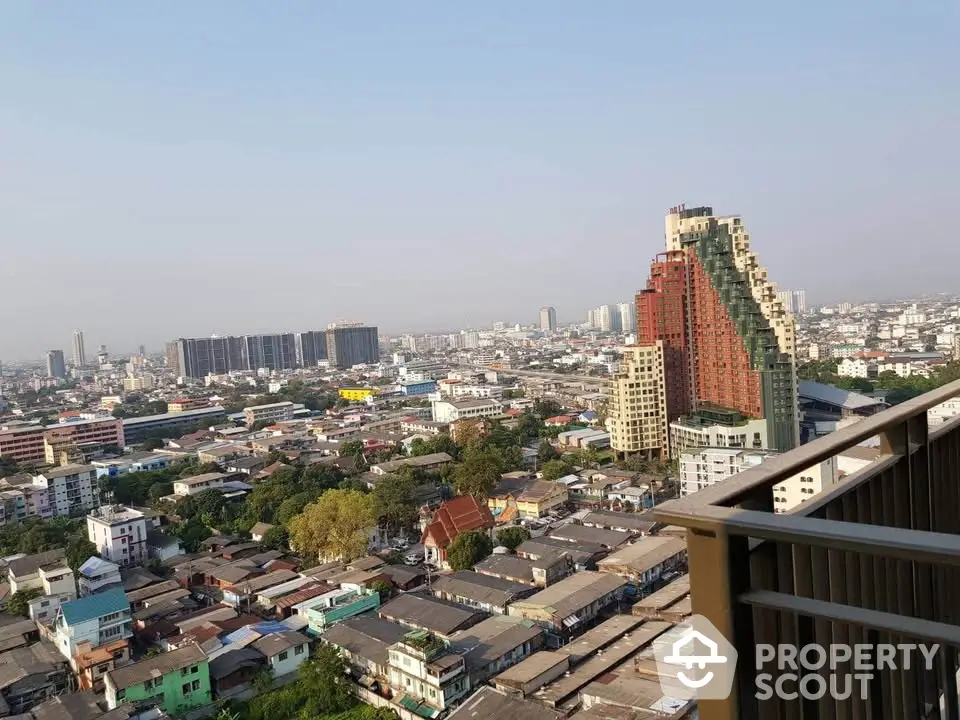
[637,414]
[358,394]
[534,501]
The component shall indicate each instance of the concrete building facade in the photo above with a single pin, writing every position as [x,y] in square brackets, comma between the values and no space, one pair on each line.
[637,411]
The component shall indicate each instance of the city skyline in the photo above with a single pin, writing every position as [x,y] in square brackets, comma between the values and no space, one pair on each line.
[412,139]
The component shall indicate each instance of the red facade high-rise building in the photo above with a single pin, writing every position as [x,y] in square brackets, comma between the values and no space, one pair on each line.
[728,341]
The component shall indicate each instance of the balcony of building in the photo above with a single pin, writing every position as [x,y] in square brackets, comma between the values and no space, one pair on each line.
[875,559]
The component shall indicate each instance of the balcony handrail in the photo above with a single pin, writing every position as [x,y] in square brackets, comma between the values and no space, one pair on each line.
[744,485]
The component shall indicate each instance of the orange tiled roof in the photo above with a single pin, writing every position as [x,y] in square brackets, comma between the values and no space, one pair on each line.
[456,516]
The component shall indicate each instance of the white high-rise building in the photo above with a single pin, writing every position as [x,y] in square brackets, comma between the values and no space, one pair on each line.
[606,318]
[628,317]
[79,351]
[548,319]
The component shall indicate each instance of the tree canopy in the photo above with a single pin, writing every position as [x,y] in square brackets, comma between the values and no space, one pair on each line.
[554,469]
[513,537]
[393,501]
[479,472]
[335,526]
[469,548]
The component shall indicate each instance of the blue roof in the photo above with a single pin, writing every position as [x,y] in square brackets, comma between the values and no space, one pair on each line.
[95,606]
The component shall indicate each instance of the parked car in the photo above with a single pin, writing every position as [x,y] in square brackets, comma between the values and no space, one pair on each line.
[413,559]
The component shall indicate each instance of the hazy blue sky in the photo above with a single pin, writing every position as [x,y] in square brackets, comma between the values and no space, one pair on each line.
[186,168]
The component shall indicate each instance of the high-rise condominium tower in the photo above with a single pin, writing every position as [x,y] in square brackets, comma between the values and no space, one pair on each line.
[350,344]
[548,319]
[627,312]
[56,367]
[729,342]
[79,351]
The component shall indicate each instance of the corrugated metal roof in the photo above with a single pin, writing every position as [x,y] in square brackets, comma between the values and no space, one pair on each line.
[94,606]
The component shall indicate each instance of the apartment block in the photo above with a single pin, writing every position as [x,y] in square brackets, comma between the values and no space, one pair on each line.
[272,412]
[71,491]
[120,534]
[637,415]
[350,344]
[729,341]
[74,436]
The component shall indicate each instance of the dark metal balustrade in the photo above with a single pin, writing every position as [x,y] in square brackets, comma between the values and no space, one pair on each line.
[875,559]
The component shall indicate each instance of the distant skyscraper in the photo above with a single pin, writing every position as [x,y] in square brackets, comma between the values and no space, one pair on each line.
[274,352]
[56,367]
[606,318]
[628,317]
[311,347]
[79,351]
[729,342]
[795,301]
[350,344]
[591,318]
[143,350]
[548,319]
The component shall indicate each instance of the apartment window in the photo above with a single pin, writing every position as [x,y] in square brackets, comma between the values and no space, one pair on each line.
[284,655]
[298,650]
[194,670]
[195,685]
[185,688]
[183,672]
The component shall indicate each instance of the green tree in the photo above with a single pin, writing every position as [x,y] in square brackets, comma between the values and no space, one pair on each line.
[513,537]
[546,452]
[324,678]
[545,408]
[192,533]
[350,448]
[469,548]
[293,506]
[336,526]
[8,466]
[19,603]
[555,469]
[384,589]
[276,538]
[479,472]
[529,425]
[78,551]
[262,681]
[394,502]
[588,457]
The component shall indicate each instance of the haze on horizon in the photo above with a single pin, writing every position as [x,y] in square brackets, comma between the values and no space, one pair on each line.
[179,170]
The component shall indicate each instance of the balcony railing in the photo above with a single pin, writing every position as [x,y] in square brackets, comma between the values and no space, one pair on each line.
[875,559]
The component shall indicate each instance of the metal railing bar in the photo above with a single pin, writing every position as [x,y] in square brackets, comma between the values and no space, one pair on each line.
[875,540]
[739,487]
[914,628]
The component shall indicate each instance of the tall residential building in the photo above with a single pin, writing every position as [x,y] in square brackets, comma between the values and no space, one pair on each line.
[79,351]
[637,410]
[729,341]
[548,319]
[795,301]
[627,312]
[311,347]
[199,357]
[274,352]
[606,318]
[56,367]
[591,318]
[350,344]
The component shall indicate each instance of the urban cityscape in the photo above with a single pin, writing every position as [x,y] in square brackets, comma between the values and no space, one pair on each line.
[309,411]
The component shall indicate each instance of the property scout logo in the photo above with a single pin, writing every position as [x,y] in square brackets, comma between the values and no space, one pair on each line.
[695,661]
